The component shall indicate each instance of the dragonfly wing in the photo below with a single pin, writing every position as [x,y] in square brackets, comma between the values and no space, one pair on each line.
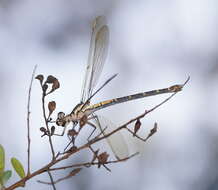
[116,141]
[97,55]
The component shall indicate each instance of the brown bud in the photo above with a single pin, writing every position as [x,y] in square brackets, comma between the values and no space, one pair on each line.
[152,131]
[40,78]
[51,107]
[50,79]
[102,158]
[43,129]
[75,171]
[137,126]
[55,85]
[52,130]
[83,121]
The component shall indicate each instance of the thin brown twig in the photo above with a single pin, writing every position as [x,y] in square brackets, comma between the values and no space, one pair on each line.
[140,138]
[46,124]
[52,181]
[71,174]
[55,182]
[28,121]
[93,163]
[167,99]
[52,163]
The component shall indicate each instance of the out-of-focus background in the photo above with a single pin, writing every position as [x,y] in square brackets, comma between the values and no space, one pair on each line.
[153,44]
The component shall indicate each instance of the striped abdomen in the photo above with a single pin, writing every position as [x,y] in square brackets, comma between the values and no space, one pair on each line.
[107,103]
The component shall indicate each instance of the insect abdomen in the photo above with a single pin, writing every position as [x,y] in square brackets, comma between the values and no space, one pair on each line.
[107,103]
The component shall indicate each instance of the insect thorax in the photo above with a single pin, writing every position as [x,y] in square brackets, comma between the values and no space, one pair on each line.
[78,112]
[80,108]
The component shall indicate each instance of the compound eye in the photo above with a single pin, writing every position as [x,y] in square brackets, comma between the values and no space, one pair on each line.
[61,115]
[75,123]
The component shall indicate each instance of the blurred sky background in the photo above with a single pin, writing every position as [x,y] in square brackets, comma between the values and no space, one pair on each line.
[153,44]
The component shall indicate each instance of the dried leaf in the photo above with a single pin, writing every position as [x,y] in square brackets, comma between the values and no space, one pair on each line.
[75,171]
[50,79]
[2,159]
[5,177]
[40,78]
[18,167]
[51,107]
[55,83]
[137,126]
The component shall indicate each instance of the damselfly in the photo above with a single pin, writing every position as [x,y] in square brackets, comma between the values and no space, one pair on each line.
[96,59]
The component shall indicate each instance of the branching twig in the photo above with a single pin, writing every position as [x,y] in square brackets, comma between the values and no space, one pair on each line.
[28,121]
[153,130]
[68,154]
[93,163]
[71,174]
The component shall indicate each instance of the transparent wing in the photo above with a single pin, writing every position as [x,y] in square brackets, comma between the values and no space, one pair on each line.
[116,141]
[97,55]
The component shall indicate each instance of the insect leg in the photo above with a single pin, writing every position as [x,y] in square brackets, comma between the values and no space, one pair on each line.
[63,132]
[94,128]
